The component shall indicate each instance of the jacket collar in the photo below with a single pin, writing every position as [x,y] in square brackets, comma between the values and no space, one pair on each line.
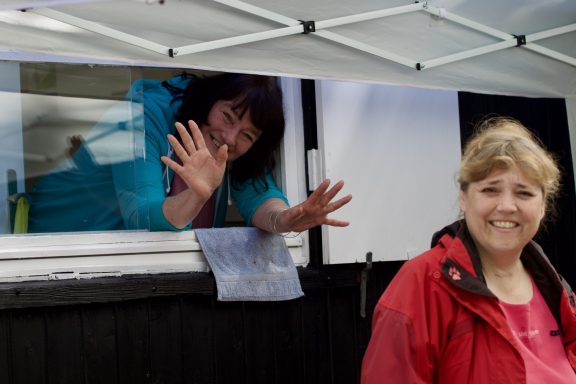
[461,262]
[461,266]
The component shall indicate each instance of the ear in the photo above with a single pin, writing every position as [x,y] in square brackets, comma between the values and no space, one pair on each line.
[543,209]
[462,200]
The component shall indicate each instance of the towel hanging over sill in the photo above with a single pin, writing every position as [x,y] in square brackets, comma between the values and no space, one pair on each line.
[250,264]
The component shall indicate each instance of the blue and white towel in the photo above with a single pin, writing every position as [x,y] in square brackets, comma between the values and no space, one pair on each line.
[249,264]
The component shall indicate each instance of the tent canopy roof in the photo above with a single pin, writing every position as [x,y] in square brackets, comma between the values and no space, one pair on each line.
[446,44]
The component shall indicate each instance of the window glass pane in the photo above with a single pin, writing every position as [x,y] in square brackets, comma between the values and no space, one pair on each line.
[85,132]
[76,147]
[11,158]
[75,128]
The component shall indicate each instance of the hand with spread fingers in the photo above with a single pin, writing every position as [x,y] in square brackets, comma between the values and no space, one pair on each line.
[201,171]
[314,211]
[275,216]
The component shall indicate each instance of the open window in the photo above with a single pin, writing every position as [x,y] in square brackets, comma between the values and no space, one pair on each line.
[74,116]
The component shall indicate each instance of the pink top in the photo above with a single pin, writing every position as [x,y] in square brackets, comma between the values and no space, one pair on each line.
[205,218]
[540,341]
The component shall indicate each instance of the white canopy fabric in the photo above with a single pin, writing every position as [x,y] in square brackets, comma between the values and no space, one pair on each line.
[448,44]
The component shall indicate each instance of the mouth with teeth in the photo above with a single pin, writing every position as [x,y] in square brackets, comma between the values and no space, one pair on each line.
[504,224]
[215,141]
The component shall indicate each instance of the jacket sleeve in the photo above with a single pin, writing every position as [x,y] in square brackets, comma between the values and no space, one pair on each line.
[392,356]
[250,195]
[141,184]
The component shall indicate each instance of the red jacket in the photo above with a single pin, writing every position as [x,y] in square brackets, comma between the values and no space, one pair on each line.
[437,322]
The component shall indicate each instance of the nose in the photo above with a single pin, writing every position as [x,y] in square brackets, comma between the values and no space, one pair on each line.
[507,202]
[230,134]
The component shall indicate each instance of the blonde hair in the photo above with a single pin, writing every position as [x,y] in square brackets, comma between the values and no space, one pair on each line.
[503,142]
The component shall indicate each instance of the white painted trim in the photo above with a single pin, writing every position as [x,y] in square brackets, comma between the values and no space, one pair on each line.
[87,255]
[292,178]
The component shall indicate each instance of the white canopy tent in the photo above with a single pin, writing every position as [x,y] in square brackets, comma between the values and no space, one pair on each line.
[516,47]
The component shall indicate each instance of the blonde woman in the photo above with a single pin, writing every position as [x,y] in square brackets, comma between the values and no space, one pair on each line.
[484,305]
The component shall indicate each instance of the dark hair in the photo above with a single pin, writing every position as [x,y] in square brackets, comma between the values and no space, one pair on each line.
[261,95]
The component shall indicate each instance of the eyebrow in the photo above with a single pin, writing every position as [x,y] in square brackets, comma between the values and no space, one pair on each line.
[499,181]
[235,108]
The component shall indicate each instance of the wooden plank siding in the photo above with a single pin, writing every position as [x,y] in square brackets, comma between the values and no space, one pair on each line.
[183,336]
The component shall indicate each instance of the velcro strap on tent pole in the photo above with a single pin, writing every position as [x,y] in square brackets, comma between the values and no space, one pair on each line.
[520,40]
[308,26]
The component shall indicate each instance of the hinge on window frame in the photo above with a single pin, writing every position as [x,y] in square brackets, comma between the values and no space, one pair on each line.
[314,159]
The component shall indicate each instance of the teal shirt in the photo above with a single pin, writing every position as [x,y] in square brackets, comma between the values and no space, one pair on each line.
[97,189]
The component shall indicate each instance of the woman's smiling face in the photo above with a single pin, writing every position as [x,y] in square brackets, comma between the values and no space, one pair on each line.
[225,126]
[503,212]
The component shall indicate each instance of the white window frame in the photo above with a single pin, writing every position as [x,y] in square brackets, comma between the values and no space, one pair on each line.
[60,256]
[89,255]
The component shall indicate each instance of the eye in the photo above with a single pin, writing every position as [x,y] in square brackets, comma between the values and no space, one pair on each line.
[249,136]
[489,190]
[228,117]
[526,194]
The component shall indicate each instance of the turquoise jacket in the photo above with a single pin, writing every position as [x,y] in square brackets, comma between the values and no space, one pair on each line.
[116,180]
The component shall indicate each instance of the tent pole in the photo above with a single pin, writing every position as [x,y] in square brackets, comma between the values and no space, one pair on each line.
[332,23]
[324,23]
[237,40]
[100,29]
[367,48]
[551,32]
[499,34]
[467,54]
[440,12]
[550,53]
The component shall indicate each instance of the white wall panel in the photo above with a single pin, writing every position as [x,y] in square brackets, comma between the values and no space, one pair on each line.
[398,150]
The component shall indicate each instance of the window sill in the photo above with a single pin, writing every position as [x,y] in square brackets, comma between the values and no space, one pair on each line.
[107,254]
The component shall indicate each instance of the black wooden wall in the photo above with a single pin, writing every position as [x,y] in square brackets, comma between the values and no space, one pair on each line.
[170,329]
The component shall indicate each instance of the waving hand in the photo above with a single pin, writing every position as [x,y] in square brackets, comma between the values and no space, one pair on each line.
[201,171]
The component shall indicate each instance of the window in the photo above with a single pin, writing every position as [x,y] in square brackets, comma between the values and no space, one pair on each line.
[60,117]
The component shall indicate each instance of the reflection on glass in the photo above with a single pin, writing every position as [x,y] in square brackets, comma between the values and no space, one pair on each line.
[76,129]
[11,159]
[80,193]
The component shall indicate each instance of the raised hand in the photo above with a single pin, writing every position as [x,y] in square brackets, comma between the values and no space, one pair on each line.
[201,171]
[313,211]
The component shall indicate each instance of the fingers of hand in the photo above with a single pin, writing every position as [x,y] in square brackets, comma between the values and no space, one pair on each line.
[334,190]
[318,192]
[171,164]
[337,223]
[197,135]
[338,203]
[178,148]
[189,145]
[325,196]
[222,154]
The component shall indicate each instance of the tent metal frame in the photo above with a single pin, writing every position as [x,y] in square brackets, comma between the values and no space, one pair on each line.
[318,28]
